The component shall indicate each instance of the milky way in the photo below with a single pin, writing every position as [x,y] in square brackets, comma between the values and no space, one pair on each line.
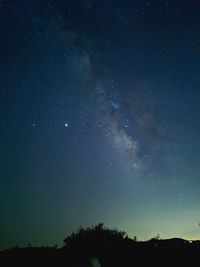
[99,106]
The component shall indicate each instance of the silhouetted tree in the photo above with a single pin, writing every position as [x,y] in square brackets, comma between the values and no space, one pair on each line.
[97,241]
[96,233]
[157,237]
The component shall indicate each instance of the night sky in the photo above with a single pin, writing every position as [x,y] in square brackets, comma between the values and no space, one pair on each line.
[100,105]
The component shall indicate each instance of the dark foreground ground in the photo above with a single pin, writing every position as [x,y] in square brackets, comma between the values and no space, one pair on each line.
[170,252]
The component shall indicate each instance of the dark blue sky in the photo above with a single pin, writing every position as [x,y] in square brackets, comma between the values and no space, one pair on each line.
[99,105]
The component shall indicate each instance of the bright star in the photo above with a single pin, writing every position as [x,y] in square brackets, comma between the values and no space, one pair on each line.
[66,124]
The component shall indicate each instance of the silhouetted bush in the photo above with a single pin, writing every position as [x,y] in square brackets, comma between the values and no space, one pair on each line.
[96,241]
[94,234]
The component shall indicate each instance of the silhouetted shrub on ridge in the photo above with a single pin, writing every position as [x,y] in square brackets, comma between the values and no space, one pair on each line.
[97,233]
[95,241]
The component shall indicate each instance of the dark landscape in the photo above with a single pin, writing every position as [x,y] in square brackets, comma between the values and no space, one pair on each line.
[99,246]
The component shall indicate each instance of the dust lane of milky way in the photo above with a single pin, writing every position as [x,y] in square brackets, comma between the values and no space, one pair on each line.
[99,105]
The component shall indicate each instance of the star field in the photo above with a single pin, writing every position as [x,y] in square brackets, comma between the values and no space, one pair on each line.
[99,106]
